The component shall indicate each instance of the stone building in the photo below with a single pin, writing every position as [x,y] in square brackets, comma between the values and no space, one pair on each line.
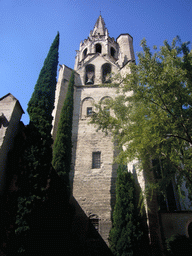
[93,172]
[10,115]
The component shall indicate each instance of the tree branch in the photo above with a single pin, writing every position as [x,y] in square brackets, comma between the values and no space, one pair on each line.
[166,109]
[177,136]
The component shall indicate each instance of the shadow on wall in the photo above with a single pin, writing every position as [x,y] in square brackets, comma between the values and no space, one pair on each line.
[61,228]
[76,117]
[113,181]
[84,232]
[142,217]
[3,121]
[57,226]
[151,218]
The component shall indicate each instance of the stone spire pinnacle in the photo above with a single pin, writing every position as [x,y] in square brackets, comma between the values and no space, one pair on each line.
[99,28]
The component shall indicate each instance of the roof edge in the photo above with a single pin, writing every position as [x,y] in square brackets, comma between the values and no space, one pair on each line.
[124,34]
[17,101]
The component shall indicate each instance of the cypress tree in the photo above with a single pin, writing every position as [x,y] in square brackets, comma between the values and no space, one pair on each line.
[38,155]
[41,104]
[34,168]
[126,235]
[62,148]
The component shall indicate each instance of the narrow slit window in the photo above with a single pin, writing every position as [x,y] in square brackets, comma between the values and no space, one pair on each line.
[96,160]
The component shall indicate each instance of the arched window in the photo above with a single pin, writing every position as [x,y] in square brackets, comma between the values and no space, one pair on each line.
[106,73]
[104,104]
[94,220]
[87,107]
[90,74]
[98,48]
[104,99]
[85,53]
[112,52]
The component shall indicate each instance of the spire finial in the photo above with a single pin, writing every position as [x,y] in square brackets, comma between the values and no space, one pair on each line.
[99,28]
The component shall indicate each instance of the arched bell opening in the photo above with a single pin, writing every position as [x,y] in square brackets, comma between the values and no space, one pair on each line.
[98,48]
[112,51]
[90,74]
[106,73]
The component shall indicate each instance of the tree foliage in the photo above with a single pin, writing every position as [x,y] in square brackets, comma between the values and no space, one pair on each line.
[126,235]
[34,166]
[153,110]
[41,104]
[38,153]
[178,245]
[62,148]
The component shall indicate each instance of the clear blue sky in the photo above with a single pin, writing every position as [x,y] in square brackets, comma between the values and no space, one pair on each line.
[28,27]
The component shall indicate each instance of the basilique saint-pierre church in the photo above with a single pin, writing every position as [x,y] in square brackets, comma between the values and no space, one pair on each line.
[93,171]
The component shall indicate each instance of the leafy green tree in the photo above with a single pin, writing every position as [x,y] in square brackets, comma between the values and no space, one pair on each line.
[153,110]
[62,148]
[126,235]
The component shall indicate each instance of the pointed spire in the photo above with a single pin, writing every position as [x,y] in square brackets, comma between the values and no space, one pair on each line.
[99,28]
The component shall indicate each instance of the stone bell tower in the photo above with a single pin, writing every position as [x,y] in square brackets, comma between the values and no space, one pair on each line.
[93,172]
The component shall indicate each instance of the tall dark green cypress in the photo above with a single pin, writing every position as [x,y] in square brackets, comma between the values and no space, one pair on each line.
[34,168]
[41,104]
[62,148]
[40,109]
[126,235]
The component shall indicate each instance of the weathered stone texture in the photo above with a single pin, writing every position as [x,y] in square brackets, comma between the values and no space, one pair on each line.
[61,90]
[10,115]
[92,188]
[98,58]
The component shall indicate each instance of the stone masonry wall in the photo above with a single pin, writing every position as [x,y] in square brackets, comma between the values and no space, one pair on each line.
[94,189]
[11,113]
